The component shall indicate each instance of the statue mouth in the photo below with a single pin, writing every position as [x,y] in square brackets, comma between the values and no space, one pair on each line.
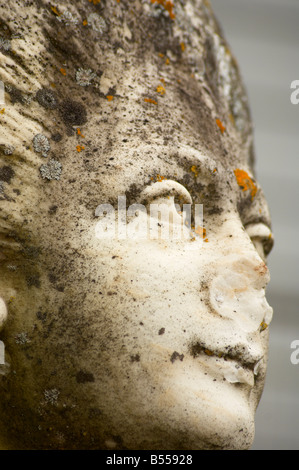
[234,363]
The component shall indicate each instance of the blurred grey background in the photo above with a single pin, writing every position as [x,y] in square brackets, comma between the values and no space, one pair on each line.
[264,37]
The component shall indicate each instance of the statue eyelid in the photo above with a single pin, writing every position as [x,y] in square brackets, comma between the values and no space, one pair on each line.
[165,189]
[261,233]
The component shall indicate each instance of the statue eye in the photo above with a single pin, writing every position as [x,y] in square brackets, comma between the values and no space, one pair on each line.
[168,206]
[261,237]
[168,201]
[166,189]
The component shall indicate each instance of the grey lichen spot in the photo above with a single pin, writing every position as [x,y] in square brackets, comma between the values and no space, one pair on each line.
[67,18]
[51,396]
[97,23]
[46,98]
[84,77]
[11,267]
[158,11]
[26,99]
[41,144]
[8,150]
[22,338]
[5,44]
[51,170]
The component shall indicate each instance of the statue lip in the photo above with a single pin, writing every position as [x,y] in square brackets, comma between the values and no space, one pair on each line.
[238,353]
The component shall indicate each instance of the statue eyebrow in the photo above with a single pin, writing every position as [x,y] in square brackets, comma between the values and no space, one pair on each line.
[193,157]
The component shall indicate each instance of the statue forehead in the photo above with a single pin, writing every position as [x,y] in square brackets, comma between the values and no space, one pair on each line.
[121,106]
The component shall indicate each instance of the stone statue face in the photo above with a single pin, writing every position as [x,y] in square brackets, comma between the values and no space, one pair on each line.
[130,343]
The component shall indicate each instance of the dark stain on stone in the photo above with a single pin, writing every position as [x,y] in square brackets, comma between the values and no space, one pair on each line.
[53,210]
[30,252]
[56,137]
[83,377]
[54,281]
[73,113]
[244,205]
[15,95]
[94,413]
[215,210]
[6,174]
[33,280]
[175,355]
[161,331]
[135,358]
[42,316]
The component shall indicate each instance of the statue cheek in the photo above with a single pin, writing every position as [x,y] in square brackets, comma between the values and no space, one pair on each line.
[3,312]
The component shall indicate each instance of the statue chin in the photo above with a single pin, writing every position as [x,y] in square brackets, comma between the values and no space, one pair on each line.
[133,233]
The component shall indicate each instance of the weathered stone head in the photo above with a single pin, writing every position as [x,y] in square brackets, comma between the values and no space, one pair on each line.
[127,342]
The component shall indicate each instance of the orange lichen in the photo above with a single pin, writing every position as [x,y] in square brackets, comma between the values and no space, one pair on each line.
[208,352]
[263,326]
[149,100]
[183,47]
[168,5]
[85,23]
[161,89]
[245,182]
[2,111]
[220,125]
[63,71]
[167,61]
[161,55]
[202,232]
[160,178]
[109,97]
[80,133]
[80,148]
[194,170]
[55,11]
[95,2]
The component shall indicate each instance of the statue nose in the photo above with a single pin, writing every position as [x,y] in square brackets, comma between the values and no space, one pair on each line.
[238,291]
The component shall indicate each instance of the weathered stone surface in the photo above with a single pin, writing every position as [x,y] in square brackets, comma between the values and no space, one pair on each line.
[127,344]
